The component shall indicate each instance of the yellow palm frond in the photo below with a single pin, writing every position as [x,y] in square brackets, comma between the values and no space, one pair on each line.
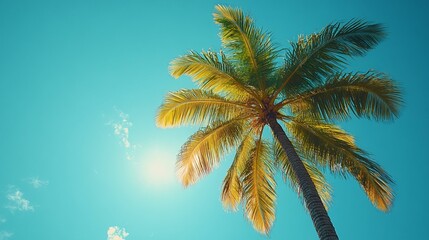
[211,73]
[373,179]
[328,145]
[195,106]
[249,46]
[232,188]
[259,188]
[322,186]
[204,149]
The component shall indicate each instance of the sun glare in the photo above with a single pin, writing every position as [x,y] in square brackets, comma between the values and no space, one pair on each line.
[158,168]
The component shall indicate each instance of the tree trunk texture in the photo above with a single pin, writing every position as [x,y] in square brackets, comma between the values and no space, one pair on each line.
[318,213]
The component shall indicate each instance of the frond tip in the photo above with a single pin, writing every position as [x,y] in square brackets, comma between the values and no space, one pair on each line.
[246,44]
[211,72]
[375,181]
[232,187]
[195,106]
[330,146]
[259,188]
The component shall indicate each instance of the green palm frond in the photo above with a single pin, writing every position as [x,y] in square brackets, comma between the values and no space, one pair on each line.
[249,46]
[232,188]
[259,187]
[204,149]
[328,145]
[370,95]
[212,73]
[195,106]
[322,186]
[317,56]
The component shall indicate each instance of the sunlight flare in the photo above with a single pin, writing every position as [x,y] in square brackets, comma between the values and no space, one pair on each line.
[158,168]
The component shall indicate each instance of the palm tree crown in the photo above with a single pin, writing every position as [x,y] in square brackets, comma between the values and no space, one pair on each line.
[245,89]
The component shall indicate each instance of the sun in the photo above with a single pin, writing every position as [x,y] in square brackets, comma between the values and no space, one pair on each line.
[158,168]
[159,172]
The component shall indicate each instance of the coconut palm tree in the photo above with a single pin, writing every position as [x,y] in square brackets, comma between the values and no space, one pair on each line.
[245,90]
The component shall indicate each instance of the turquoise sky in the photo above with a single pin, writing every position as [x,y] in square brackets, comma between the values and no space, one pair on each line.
[80,83]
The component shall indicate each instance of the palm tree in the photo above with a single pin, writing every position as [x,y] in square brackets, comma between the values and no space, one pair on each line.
[244,90]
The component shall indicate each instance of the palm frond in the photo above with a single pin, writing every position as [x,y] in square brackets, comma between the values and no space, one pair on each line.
[232,188]
[330,146]
[211,73]
[322,186]
[204,149]
[374,180]
[370,95]
[317,56]
[248,45]
[259,188]
[195,106]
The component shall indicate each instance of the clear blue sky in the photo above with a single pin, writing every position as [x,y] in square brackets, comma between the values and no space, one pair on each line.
[73,72]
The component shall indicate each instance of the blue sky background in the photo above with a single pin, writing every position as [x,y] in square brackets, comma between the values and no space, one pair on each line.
[73,72]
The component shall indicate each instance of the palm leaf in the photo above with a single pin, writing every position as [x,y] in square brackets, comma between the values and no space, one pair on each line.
[211,73]
[323,188]
[204,149]
[370,95]
[259,188]
[232,188]
[195,106]
[249,46]
[328,145]
[317,56]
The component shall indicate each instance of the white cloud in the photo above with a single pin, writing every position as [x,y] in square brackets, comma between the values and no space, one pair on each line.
[116,233]
[37,183]
[17,202]
[4,235]
[121,128]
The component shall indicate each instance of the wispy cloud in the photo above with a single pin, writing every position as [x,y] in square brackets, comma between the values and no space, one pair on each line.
[121,129]
[2,220]
[5,235]
[17,202]
[37,183]
[116,233]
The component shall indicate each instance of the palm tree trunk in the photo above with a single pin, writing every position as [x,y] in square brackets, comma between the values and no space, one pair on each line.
[321,220]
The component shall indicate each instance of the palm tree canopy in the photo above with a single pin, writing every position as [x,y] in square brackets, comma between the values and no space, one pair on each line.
[243,85]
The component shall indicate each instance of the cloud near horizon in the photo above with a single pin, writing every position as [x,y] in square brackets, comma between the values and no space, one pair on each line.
[17,202]
[116,233]
[5,235]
